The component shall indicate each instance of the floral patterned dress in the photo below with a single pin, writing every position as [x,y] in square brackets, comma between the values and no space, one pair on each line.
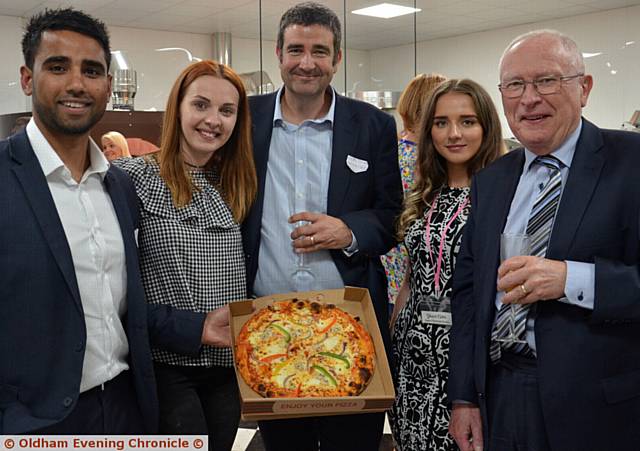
[420,417]
[395,261]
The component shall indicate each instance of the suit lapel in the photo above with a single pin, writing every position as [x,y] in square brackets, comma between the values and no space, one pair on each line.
[345,134]
[263,128]
[584,174]
[262,114]
[27,169]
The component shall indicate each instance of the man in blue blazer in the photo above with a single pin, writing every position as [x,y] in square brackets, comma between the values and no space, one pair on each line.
[573,383]
[74,346]
[328,180]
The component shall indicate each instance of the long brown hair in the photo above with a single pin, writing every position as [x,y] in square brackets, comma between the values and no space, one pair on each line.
[431,167]
[233,161]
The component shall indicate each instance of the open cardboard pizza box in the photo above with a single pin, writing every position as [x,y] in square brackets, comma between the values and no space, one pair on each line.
[377,397]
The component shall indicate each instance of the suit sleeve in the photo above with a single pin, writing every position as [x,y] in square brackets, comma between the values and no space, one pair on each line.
[374,228]
[616,292]
[461,385]
[617,264]
[175,330]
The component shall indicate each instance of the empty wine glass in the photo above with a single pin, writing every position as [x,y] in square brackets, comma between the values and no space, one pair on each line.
[302,275]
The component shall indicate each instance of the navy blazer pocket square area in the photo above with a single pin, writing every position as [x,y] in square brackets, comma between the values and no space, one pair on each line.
[621,387]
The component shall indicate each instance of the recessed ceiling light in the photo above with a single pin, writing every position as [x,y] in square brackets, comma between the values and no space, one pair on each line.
[386,11]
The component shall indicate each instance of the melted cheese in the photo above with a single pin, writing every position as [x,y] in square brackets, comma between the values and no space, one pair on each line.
[268,343]
[332,344]
[281,373]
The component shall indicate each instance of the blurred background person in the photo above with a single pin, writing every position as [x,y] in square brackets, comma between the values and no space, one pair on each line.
[460,133]
[193,194]
[412,102]
[20,124]
[115,146]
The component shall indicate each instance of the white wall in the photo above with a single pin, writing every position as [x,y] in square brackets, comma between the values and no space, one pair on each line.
[12,100]
[613,99]
[157,70]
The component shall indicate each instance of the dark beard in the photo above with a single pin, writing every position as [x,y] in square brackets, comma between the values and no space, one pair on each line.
[51,121]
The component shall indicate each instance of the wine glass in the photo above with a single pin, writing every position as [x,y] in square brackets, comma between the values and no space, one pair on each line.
[302,275]
[512,245]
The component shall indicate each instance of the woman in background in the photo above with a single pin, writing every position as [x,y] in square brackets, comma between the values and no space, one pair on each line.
[412,101]
[193,195]
[115,146]
[460,134]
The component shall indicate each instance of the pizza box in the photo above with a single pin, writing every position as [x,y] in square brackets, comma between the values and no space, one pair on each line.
[377,397]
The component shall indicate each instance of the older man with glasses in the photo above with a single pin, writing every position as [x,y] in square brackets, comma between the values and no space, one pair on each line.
[561,370]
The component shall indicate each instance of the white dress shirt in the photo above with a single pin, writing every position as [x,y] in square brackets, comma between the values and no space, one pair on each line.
[95,240]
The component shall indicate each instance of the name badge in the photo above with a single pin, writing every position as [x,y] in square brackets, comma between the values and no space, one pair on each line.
[435,310]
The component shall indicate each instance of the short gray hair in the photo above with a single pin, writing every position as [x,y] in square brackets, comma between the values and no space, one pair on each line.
[568,44]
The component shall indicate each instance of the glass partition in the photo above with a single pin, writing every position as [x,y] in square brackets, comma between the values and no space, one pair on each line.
[159,38]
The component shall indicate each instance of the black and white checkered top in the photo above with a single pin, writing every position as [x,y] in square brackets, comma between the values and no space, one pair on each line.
[191,257]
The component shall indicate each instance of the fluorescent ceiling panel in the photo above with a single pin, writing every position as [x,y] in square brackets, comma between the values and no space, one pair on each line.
[386,11]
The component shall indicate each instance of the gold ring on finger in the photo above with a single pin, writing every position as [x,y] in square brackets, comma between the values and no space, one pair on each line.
[524,290]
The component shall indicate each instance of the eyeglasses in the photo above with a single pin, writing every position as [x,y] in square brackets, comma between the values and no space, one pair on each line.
[543,85]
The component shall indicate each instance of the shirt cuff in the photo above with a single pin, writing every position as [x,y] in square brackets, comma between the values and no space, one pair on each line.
[462,402]
[579,287]
[352,248]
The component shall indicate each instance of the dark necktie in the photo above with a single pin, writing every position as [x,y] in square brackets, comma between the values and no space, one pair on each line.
[539,230]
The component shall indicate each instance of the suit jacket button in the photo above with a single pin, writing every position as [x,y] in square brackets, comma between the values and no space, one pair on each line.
[247,256]
[67,401]
[79,346]
[480,395]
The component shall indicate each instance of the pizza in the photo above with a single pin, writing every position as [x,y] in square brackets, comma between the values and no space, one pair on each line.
[304,348]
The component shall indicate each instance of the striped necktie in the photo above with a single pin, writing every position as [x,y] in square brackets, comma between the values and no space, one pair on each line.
[539,230]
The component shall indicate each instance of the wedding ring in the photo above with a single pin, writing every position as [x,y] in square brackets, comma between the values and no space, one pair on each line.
[524,290]
[312,240]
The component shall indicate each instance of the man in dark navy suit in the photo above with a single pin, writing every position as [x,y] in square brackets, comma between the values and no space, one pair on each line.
[328,180]
[75,328]
[568,376]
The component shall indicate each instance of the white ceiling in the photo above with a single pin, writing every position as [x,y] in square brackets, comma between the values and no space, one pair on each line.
[438,18]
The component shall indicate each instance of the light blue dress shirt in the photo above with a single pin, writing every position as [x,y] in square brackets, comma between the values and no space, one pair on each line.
[580,284]
[297,180]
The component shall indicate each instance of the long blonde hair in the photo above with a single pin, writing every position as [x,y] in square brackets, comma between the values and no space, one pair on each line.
[234,161]
[119,140]
[431,167]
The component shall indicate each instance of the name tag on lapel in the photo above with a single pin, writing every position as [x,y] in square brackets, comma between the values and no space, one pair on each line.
[356,164]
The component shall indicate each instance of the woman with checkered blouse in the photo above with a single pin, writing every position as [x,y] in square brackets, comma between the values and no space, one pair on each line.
[193,195]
